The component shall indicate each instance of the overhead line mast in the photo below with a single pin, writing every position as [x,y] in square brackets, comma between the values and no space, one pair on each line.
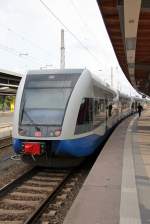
[62,51]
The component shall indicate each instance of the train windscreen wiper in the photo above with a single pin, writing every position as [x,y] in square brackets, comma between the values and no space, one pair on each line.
[32,121]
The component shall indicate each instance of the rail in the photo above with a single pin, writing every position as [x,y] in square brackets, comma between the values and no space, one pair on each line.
[24,199]
[5,142]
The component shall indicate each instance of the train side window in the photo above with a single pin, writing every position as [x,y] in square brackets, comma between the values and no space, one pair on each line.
[85,116]
[99,112]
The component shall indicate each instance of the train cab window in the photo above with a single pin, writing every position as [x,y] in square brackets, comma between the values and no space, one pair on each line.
[85,116]
[48,108]
[45,98]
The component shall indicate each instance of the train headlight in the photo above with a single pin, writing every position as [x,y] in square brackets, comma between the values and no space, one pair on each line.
[21,131]
[57,132]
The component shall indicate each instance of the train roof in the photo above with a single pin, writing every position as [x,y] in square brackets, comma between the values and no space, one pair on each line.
[103,85]
[55,71]
[123,95]
[95,77]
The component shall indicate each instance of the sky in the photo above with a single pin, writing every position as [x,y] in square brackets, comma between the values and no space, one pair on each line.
[30,38]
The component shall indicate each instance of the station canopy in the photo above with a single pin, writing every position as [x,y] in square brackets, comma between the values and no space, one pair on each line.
[128,25]
[9,82]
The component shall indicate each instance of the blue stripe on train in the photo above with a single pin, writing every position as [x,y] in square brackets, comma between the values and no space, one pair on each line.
[17,145]
[77,147]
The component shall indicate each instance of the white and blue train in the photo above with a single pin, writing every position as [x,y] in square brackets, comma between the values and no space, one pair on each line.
[64,114]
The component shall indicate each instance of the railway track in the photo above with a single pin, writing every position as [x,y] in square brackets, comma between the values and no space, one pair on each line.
[25,199]
[5,142]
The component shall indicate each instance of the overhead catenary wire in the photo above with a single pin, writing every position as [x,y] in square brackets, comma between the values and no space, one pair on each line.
[16,52]
[81,19]
[86,27]
[25,39]
[74,36]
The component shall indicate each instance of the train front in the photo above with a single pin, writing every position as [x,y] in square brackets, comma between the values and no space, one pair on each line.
[40,109]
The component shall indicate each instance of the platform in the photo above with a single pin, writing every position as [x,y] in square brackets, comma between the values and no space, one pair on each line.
[6,121]
[117,189]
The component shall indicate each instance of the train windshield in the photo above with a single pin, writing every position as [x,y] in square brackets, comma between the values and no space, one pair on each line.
[45,98]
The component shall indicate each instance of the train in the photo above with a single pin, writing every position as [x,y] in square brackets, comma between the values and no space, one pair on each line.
[64,115]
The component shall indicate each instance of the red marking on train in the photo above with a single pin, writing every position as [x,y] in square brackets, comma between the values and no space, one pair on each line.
[32,148]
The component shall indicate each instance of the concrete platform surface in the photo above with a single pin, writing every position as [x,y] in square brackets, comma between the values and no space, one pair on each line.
[6,121]
[117,189]
[6,118]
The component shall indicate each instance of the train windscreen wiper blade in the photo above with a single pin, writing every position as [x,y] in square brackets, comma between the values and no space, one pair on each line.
[31,120]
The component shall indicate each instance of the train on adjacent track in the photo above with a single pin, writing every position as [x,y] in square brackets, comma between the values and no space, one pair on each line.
[62,116]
